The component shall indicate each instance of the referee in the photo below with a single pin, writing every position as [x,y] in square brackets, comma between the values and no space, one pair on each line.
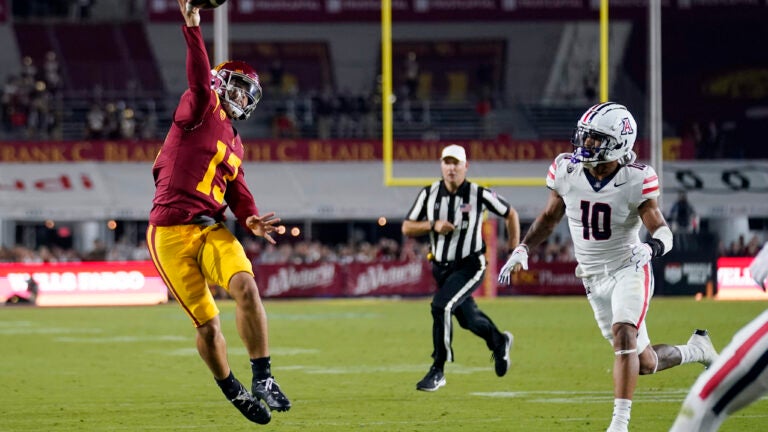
[451,212]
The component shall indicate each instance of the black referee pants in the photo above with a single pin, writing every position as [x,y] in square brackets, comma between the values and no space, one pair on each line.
[455,284]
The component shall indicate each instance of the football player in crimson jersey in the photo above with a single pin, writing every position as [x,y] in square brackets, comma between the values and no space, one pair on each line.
[738,378]
[606,196]
[197,171]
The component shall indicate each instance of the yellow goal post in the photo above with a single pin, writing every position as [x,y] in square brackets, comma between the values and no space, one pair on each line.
[388,100]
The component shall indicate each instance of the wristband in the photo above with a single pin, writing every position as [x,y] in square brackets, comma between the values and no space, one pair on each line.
[510,250]
[657,247]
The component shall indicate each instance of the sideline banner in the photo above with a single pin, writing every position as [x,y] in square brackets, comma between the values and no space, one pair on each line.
[734,282]
[300,150]
[84,284]
[299,280]
[683,275]
[545,279]
[390,278]
[138,283]
[272,11]
[385,278]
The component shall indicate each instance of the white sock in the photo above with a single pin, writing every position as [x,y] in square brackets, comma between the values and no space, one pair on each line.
[621,409]
[687,354]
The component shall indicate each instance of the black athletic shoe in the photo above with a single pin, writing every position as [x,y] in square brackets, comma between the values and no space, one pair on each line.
[433,380]
[269,391]
[251,408]
[500,355]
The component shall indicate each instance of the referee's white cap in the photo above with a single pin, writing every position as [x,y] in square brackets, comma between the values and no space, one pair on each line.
[455,151]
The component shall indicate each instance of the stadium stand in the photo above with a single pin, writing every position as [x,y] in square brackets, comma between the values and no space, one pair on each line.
[508,79]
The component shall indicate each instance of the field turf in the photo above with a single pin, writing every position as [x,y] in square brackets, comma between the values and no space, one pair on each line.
[348,365]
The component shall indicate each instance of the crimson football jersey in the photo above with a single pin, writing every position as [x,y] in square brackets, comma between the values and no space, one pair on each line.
[198,169]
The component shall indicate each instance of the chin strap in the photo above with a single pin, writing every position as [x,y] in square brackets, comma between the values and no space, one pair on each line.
[234,112]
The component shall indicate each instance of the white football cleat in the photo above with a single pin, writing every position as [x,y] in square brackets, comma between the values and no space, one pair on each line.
[701,344]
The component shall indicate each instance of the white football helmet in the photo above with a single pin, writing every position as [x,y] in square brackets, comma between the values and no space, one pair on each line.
[613,131]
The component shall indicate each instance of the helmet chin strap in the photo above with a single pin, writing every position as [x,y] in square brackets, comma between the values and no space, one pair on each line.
[234,111]
[584,153]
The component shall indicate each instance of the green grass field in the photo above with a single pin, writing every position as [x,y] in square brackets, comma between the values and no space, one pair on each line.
[348,365]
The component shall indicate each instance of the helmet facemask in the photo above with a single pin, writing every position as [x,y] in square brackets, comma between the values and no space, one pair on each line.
[239,92]
[611,132]
[593,154]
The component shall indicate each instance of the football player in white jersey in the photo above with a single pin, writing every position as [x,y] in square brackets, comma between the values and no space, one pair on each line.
[738,378]
[606,195]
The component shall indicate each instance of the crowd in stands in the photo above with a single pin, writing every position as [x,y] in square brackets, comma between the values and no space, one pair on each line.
[740,247]
[555,249]
[32,108]
[118,120]
[29,101]
[43,254]
[299,252]
[36,104]
[310,252]
[285,252]
[324,115]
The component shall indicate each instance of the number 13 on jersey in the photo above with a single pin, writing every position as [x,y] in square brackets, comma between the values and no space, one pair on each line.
[206,186]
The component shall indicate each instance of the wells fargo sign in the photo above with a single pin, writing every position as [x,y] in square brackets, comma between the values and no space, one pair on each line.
[83,284]
[288,150]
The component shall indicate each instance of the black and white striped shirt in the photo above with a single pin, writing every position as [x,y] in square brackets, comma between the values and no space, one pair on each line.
[464,210]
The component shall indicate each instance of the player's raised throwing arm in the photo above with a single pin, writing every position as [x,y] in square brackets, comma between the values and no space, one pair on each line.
[190,13]
[539,231]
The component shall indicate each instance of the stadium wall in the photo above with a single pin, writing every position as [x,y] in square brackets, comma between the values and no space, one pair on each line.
[355,48]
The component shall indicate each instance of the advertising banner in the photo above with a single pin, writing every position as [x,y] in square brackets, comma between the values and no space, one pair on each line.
[439,10]
[82,284]
[390,278]
[689,268]
[682,276]
[138,283]
[734,281]
[299,150]
[385,278]
[300,280]
[545,279]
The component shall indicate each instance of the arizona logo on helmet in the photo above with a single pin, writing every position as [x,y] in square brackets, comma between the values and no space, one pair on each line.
[626,127]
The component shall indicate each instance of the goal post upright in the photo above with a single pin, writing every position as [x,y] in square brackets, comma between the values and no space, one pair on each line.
[388,99]
[387,134]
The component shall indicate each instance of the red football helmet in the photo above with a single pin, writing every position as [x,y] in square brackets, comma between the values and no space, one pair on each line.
[237,84]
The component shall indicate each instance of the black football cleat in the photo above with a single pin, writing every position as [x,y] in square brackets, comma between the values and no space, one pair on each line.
[251,408]
[269,391]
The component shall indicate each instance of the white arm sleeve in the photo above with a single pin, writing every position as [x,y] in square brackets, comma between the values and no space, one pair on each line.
[664,234]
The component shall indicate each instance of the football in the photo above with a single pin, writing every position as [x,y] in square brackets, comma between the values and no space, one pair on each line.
[207,4]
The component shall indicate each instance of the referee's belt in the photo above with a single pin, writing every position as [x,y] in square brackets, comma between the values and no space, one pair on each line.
[447,264]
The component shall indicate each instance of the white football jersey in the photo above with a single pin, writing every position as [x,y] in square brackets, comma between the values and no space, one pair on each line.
[602,215]
[759,267]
